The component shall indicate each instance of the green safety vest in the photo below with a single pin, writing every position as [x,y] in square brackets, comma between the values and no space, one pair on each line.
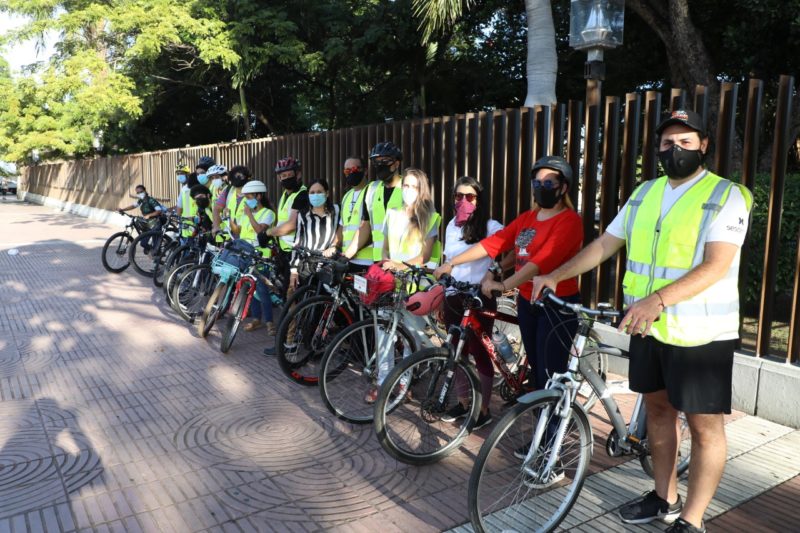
[661,250]
[352,210]
[249,234]
[284,206]
[188,211]
[232,205]
[406,248]
[377,213]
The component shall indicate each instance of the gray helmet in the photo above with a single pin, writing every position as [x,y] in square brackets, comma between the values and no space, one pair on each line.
[557,163]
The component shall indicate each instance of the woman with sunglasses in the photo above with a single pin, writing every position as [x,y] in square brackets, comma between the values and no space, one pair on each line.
[470,225]
[543,238]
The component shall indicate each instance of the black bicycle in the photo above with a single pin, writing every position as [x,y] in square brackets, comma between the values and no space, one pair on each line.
[115,256]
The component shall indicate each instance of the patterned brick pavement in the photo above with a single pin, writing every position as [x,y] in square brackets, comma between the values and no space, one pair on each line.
[115,416]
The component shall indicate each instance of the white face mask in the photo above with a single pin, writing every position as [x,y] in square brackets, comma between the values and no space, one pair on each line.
[217,182]
[141,195]
[410,196]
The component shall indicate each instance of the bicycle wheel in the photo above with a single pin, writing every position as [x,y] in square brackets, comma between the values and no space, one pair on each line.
[115,252]
[511,487]
[192,291]
[237,315]
[413,431]
[142,257]
[164,262]
[347,369]
[212,310]
[684,450]
[303,334]
[172,280]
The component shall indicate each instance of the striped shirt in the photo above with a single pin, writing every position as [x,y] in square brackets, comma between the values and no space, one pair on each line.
[315,232]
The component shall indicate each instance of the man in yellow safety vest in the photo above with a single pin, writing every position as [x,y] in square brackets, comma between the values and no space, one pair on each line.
[683,234]
[384,193]
[354,220]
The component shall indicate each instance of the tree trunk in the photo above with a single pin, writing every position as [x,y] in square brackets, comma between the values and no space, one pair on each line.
[245,112]
[542,65]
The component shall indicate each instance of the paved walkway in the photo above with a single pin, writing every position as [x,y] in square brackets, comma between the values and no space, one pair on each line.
[114,416]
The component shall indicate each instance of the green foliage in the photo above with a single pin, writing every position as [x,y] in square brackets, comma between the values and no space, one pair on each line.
[757,235]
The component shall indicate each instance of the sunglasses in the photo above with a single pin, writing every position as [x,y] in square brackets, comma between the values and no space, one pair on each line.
[469,196]
[352,170]
[546,184]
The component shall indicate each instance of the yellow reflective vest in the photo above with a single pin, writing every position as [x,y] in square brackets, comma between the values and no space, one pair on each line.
[377,213]
[248,233]
[352,211]
[661,250]
[402,248]
[188,210]
[284,207]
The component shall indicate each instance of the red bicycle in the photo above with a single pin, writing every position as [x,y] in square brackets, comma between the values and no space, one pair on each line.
[438,379]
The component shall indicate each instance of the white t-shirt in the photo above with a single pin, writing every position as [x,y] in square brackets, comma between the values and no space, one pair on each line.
[454,245]
[730,224]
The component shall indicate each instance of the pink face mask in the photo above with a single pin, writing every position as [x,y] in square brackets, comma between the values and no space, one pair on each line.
[464,209]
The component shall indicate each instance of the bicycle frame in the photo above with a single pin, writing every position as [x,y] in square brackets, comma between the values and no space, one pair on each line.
[250,279]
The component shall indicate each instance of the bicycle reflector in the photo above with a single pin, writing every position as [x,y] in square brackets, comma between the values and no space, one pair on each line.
[379,282]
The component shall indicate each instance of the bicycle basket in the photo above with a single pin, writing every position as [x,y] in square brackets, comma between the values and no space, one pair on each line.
[380,287]
[223,269]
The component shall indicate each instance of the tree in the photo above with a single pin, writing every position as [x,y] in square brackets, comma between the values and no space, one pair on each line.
[542,63]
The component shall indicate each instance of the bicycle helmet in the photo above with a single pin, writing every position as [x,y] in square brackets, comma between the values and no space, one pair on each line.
[423,303]
[253,187]
[205,162]
[386,149]
[286,164]
[182,168]
[554,162]
[379,282]
[217,170]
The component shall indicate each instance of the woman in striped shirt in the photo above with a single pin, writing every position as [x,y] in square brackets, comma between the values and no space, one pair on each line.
[317,226]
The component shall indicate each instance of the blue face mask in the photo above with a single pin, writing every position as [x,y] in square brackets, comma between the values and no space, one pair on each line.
[317,199]
[181,178]
[202,179]
[251,203]
[216,183]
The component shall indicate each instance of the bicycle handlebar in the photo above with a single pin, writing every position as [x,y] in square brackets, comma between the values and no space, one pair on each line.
[549,294]
[464,286]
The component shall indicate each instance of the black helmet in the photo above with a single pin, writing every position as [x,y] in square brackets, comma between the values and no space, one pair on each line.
[554,162]
[386,149]
[286,164]
[205,162]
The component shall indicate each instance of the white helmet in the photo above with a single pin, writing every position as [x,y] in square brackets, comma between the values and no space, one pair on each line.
[216,170]
[254,186]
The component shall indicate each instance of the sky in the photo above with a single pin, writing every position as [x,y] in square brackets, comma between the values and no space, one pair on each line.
[23,53]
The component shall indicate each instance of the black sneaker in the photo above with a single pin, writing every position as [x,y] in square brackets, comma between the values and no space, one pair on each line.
[650,507]
[483,420]
[269,351]
[454,413]
[682,526]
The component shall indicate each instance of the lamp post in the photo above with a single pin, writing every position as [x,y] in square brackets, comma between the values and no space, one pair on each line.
[594,26]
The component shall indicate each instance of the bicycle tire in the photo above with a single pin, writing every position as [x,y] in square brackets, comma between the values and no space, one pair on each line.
[164,263]
[237,315]
[118,251]
[191,293]
[414,432]
[684,451]
[173,277]
[212,310]
[346,370]
[505,493]
[299,357]
[142,262]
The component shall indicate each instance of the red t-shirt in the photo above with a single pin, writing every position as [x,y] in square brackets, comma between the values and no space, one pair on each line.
[546,243]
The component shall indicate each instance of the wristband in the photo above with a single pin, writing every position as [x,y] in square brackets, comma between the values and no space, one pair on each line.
[660,299]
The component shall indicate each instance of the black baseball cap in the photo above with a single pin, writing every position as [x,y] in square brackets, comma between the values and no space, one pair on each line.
[688,118]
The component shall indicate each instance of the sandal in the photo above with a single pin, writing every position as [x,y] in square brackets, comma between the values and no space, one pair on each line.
[271,329]
[252,326]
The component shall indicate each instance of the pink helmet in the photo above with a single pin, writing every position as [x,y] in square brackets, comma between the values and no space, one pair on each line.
[379,282]
[426,302]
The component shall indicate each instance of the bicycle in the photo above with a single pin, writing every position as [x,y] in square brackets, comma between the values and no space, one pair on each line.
[531,468]
[443,377]
[115,251]
[366,350]
[149,247]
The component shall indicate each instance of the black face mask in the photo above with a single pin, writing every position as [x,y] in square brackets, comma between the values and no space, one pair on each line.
[384,172]
[290,184]
[354,178]
[202,203]
[547,198]
[680,163]
[238,181]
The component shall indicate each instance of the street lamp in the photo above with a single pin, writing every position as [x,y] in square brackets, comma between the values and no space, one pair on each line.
[595,26]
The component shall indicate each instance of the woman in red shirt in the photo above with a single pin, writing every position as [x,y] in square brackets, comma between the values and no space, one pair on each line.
[543,238]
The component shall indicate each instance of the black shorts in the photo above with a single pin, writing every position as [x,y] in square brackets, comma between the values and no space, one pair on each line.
[697,378]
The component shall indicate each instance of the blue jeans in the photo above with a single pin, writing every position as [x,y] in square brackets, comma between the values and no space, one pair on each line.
[261,306]
[547,338]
